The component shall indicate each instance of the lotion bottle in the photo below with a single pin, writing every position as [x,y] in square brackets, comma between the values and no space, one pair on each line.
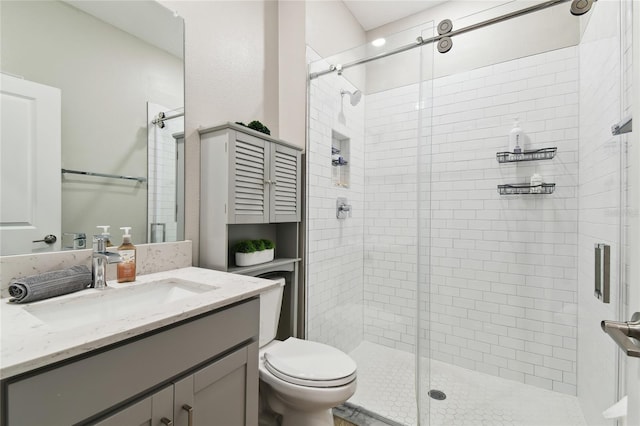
[516,138]
[127,251]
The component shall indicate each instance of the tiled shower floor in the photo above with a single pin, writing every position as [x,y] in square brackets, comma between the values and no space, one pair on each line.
[386,386]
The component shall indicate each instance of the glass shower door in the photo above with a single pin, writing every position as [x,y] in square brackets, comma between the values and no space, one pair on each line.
[513,331]
[362,266]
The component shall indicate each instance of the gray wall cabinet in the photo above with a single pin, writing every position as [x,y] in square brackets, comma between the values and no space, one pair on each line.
[248,177]
[209,364]
[250,188]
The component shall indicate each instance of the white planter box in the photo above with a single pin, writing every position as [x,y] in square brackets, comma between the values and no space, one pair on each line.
[255,258]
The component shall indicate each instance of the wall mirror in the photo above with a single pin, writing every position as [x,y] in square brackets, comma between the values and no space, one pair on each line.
[83,86]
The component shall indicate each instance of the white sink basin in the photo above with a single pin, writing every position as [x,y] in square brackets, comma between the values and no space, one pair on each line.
[113,303]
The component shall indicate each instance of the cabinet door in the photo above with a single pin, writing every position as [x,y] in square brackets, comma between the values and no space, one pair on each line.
[249,180]
[154,410]
[285,184]
[221,394]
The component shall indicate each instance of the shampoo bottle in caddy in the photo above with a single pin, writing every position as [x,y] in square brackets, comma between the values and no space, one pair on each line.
[516,138]
[127,251]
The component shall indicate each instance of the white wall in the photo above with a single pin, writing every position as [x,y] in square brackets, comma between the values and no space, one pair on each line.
[103,107]
[331,28]
[231,62]
[241,59]
[292,72]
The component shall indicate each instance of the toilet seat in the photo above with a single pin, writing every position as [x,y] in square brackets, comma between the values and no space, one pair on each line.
[310,364]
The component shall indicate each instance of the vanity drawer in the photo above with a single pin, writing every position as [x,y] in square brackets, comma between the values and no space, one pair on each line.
[82,389]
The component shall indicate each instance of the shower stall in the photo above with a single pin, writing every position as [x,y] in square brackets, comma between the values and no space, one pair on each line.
[459,274]
[165,168]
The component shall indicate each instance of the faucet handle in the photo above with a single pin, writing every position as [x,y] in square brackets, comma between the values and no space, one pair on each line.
[99,243]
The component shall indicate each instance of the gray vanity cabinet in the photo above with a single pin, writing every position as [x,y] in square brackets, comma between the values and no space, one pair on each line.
[153,410]
[217,394]
[248,177]
[214,395]
[209,363]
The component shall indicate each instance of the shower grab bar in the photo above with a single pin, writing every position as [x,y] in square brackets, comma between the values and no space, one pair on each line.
[623,332]
[78,172]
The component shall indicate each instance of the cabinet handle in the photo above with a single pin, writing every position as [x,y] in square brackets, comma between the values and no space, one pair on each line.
[189,410]
[268,182]
[166,421]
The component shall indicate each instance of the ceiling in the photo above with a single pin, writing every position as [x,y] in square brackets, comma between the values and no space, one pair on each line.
[374,13]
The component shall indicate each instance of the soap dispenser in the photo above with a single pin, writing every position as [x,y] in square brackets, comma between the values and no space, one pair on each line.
[516,138]
[106,236]
[127,251]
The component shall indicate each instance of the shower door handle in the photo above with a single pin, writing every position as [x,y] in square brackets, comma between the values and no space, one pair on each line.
[625,334]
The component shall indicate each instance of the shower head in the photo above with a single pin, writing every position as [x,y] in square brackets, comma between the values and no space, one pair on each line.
[354,97]
[580,7]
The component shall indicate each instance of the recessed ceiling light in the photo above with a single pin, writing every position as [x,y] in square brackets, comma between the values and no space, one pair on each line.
[379,42]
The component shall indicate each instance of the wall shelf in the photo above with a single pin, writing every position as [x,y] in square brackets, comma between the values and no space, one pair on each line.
[277,265]
[519,189]
[532,155]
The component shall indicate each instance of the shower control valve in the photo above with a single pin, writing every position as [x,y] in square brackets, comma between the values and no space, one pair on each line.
[343,210]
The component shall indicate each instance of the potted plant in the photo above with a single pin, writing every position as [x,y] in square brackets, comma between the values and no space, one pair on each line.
[253,252]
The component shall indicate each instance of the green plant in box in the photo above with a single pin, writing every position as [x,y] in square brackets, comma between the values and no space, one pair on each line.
[258,244]
[268,244]
[245,246]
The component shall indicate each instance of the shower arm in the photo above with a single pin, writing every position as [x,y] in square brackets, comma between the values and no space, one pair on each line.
[339,68]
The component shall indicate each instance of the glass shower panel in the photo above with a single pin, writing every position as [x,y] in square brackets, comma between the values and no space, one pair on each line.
[511,259]
[362,266]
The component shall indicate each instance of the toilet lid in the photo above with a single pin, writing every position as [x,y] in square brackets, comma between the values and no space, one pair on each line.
[312,364]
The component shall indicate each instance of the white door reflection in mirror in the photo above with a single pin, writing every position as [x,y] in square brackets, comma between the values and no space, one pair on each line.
[29,166]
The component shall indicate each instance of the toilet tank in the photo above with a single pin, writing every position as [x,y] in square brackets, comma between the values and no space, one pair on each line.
[270,304]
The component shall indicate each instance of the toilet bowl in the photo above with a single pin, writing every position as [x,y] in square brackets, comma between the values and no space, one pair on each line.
[300,380]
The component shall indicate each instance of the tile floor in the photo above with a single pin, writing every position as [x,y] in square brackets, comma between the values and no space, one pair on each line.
[386,386]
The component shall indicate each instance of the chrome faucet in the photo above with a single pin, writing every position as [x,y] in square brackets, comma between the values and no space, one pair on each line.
[101,258]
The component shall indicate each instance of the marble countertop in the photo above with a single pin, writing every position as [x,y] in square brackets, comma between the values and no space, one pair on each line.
[27,342]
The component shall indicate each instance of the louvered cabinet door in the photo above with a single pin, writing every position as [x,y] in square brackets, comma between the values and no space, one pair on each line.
[248,180]
[285,184]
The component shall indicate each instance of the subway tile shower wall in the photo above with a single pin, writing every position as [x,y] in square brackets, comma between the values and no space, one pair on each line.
[503,269]
[497,273]
[336,250]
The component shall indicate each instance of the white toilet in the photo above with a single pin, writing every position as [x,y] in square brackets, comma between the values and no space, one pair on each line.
[299,379]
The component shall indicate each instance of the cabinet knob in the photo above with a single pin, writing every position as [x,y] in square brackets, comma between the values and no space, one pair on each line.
[166,421]
[189,410]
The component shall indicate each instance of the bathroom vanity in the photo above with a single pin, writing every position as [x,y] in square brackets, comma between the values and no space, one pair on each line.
[191,360]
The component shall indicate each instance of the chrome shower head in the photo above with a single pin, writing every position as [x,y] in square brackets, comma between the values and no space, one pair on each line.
[580,7]
[354,98]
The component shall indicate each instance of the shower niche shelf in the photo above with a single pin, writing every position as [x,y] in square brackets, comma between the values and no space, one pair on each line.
[532,155]
[340,152]
[521,189]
